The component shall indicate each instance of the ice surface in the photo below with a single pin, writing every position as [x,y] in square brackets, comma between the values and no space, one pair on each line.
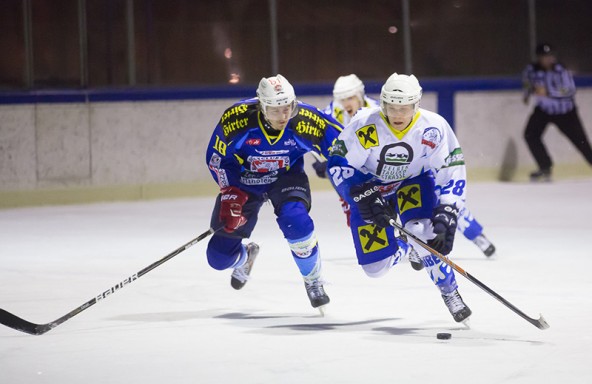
[183,323]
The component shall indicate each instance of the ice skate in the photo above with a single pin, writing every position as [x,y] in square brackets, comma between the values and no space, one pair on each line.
[543,175]
[241,274]
[316,294]
[407,250]
[484,245]
[458,309]
[414,259]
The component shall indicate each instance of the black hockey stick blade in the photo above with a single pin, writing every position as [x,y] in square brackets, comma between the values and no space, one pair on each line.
[540,323]
[20,324]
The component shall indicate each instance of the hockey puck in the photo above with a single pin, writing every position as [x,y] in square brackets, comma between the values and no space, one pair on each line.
[443,336]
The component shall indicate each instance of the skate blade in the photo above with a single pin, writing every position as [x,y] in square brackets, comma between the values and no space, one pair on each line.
[322,310]
[467,323]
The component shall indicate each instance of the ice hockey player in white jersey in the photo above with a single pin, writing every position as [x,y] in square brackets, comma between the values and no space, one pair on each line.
[401,160]
[349,96]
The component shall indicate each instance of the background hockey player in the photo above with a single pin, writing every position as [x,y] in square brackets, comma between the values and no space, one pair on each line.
[349,96]
[256,155]
[398,159]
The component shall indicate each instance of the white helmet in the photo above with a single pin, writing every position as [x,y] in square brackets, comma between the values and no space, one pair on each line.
[348,86]
[400,90]
[276,91]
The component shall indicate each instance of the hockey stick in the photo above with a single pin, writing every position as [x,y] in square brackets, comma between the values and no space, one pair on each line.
[15,322]
[540,323]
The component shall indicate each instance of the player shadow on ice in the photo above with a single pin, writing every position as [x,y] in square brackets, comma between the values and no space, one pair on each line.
[327,326]
[286,322]
[248,316]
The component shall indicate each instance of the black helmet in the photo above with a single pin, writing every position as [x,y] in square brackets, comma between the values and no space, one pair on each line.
[544,49]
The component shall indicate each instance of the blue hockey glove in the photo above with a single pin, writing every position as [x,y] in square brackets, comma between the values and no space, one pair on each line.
[371,205]
[320,168]
[444,221]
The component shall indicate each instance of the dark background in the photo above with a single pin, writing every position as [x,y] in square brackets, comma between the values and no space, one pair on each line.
[85,43]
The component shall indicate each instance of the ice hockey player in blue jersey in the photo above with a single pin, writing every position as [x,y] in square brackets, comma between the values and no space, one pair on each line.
[256,154]
[402,161]
[349,96]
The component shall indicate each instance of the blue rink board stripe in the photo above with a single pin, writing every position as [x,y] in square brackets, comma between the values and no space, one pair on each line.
[242,91]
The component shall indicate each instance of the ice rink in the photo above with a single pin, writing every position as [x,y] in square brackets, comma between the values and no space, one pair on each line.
[183,323]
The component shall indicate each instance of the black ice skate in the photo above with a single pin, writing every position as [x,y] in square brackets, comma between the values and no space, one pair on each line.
[316,293]
[542,175]
[458,309]
[241,274]
[414,259]
[484,245]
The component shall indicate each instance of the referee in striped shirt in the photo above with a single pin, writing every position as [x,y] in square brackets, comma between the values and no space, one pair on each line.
[553,88]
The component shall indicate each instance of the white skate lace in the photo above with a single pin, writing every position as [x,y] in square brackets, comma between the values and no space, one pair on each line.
[413,255]
[241,273]
[454,302]
[482,242]
[314,288]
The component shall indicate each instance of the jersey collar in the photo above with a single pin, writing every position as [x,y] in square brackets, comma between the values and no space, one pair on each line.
[400,134]
[270,139]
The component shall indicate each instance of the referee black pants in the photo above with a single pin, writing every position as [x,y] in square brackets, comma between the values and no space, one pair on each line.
[569,124]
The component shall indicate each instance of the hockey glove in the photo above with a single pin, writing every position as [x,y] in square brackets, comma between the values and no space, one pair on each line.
[371,205]
[232,200]
[320,168]
[444,222]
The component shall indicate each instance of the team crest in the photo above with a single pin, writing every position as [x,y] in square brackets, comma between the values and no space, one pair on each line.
[368,136]
[431,137]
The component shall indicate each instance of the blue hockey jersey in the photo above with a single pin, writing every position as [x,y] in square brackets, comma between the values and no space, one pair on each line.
[246,153]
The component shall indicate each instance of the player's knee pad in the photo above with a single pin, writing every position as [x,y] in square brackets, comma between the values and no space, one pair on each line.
[294,220]
[381,267]
[441,274]
[223,252]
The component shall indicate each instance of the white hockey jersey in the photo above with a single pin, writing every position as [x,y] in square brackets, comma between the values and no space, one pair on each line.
[427,144]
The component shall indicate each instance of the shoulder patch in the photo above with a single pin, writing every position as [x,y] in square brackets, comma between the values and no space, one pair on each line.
[368,136]
[338,148]
[431,137]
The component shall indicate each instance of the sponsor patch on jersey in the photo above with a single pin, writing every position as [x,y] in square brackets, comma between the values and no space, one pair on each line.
[431,137]
[368,136]
[394,161]
[215,161]
[456,157]
[253,142]
[273,153]
[409,197]
[372,238]
[268,163]
[338,148]
[222,178]
[250,179]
